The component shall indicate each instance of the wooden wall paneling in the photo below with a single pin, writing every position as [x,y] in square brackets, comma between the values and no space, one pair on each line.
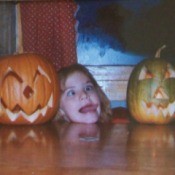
[115,90]
[113,80]
[115,72]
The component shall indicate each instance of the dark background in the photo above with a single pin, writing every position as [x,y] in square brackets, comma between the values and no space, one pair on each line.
[121,32]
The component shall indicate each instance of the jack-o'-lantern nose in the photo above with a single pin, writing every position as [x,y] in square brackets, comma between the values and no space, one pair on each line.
[28,92]
[160,94]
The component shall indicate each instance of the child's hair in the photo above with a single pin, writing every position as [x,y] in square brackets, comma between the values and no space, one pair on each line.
[65,72]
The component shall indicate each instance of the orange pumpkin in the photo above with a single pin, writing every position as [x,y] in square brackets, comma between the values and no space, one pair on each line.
[29,90]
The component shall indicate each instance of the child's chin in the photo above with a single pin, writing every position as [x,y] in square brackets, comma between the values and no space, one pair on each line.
[89,119]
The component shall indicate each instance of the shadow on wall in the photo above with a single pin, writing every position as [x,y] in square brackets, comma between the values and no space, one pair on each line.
[123,33]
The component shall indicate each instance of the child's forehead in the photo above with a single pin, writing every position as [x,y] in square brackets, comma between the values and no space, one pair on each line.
[78,74]
[76,77]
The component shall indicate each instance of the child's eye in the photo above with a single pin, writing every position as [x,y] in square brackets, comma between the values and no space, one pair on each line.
[70,93]
[89,88]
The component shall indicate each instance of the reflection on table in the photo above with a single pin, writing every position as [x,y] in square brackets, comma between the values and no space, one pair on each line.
[63,148]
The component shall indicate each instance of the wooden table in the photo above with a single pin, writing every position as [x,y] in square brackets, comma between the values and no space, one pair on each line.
[79,149]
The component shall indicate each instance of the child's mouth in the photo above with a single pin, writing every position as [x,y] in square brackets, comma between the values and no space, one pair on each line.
[88,108]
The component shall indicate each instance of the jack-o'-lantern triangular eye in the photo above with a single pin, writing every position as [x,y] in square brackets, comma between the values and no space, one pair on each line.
[145,74]
[10,72]
[39,72]
[170,72]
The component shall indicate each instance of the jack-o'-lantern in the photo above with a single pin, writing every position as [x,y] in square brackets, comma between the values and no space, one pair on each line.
[151,91]
[29,90]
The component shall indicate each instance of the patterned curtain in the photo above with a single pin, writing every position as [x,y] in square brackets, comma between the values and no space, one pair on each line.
[48,28]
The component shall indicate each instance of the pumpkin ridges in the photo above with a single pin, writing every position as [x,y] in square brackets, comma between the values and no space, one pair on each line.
[25,66]
[135,106]
[144,89]
[132,104]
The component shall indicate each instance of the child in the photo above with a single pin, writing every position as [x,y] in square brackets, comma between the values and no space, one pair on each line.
[82,100]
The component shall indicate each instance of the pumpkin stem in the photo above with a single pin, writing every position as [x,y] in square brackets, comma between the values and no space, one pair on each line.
[157,55]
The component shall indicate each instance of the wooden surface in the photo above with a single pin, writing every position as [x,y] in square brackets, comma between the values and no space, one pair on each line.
[122,148]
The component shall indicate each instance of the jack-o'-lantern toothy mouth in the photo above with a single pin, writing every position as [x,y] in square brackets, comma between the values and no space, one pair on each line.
[17,111]
[157,110]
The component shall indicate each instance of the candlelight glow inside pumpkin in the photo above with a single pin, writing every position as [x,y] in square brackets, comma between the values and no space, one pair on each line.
[28,90]
[151,92]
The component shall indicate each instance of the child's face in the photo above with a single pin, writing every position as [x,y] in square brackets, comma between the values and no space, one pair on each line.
[79,101]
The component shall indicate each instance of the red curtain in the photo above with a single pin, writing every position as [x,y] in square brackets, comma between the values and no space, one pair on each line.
[48,28]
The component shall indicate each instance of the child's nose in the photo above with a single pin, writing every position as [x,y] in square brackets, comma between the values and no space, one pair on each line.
[83,95]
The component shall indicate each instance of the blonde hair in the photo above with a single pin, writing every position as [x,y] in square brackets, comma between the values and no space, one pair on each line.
[65,72]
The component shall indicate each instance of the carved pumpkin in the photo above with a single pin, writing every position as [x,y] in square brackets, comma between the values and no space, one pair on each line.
[29,90]
[151,91]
